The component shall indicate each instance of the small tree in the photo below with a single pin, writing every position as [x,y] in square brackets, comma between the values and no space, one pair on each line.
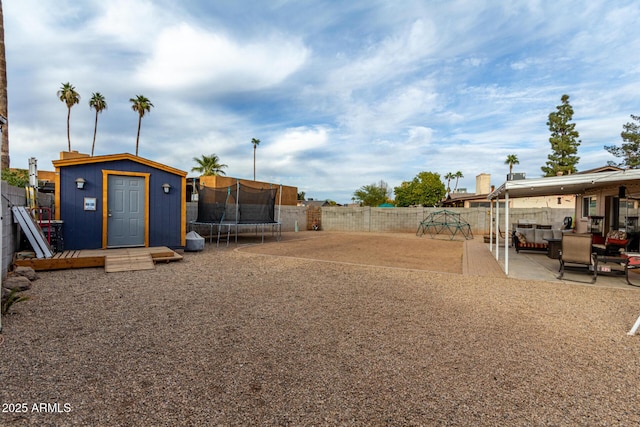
[564,141]
[141,105]
[512,159]
[449,176]
[373,194]
[457,176]
[208,165]
[255,143]
[16,177]
[98,103]
[425,189]
[629,151]
[70,97]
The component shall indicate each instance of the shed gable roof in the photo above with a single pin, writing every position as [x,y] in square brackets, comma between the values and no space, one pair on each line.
[116,157]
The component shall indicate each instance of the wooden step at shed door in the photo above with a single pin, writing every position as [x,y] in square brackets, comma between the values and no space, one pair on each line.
[128,262]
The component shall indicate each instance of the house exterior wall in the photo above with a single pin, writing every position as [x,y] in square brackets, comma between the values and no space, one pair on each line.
[602,207]
[84,229]
[566,201]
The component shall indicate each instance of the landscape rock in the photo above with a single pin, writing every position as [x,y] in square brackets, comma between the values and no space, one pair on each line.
[19,283]
[27,272]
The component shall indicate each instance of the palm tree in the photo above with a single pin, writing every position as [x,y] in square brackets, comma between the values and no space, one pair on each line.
[512,159]
[98,103]
[449,176]
[70,97]
[255,143]
[457,176]
[140,105]
[4,146]
[208,165]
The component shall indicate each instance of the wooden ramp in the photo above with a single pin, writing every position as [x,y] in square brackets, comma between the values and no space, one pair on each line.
[121,259]
[128,262]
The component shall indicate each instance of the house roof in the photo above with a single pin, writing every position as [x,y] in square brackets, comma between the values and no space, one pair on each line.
[579,183]
[116,157]
[315,203]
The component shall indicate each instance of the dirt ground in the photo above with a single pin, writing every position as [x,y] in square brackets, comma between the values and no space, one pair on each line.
[393,250]
[264,335]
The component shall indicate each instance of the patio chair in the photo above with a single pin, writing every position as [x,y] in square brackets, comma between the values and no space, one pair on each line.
[576,249]
[615,242]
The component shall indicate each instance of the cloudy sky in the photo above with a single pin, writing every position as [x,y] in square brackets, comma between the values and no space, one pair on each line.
[341,94]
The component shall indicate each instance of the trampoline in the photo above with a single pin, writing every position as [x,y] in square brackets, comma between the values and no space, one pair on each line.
[230,209]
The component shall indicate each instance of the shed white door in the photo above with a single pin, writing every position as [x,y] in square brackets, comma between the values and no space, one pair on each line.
[126,211]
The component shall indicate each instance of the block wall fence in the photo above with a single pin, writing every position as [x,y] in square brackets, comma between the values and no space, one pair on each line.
[11,235]
[403,220]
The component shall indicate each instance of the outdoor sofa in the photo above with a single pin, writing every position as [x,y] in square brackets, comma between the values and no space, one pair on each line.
[534,237]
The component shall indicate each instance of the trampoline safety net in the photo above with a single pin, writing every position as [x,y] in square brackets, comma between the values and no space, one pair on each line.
[212,203]
[235,206]
[256,206]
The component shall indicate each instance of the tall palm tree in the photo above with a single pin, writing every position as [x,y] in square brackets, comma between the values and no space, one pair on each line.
[512,159]
[4,106]
[208,165]
[449,176]
[98,103]
[140,105]
[457,176]
[70,97]
[255,143]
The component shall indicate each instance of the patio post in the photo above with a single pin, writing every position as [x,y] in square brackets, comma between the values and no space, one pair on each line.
[497,225]
[490,225]
[506,232]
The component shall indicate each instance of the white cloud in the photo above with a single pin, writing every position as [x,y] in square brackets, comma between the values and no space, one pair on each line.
[130,23]
[381,61]
[186,57]
[342,95]
[297,140]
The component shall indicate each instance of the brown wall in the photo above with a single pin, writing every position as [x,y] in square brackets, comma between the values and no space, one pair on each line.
[289,194]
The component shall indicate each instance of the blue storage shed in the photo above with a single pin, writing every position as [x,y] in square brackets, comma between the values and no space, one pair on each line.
[120,200]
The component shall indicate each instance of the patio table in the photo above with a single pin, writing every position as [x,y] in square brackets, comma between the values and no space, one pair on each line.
[632,261]
[553,248]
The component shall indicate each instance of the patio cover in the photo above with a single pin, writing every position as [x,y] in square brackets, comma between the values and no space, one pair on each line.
[579,183]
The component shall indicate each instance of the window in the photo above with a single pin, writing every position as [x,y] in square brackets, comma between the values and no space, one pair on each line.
[588,206]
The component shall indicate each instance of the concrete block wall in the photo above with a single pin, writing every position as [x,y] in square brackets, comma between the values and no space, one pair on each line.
[404,220]
[10,231]
[289,215]
[14,196]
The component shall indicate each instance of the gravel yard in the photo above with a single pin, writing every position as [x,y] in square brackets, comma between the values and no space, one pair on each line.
[319,330]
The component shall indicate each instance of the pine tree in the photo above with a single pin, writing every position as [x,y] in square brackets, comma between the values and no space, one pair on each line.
[564,141]
[629,151]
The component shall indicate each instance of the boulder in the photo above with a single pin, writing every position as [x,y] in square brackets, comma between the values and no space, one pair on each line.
[27,272]
[19,283]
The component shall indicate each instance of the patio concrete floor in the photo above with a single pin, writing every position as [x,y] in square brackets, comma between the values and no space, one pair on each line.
[536,265]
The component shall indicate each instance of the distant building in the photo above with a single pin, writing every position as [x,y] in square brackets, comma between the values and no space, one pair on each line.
[314,203]
[479,199]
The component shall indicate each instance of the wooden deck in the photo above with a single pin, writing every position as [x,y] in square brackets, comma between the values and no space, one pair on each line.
[121,259]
